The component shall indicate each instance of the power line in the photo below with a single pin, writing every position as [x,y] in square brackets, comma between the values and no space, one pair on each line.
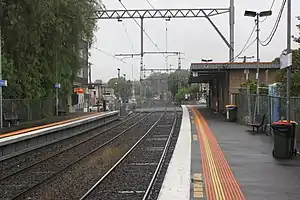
[249,38]
[125,29]
[269,9]
[150,4]
[143,30]
[275,27]
[109,54]
[244,49]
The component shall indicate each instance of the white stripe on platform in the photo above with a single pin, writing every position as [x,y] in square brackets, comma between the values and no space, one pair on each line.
[35,132]
[176,184]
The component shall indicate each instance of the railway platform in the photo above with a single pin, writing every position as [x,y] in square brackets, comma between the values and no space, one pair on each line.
[39,124]
[218,160]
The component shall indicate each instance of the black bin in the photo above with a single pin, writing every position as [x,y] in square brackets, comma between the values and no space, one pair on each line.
[284,133]
[231,113]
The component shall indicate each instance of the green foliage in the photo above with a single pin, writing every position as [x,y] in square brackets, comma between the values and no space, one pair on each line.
[281,76]
[252,85]
[157,83]
[41,39]
[177,80]
[192,90]
[122,87]
[149,93]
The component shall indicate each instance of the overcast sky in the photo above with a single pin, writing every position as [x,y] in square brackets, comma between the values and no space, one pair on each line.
[196,38]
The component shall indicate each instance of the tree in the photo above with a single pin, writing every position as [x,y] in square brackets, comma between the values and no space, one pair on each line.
[178,80]
[121,87]
[281,75]
[252,85]
[282,78]
[41,44]
[157,82]
[192,91]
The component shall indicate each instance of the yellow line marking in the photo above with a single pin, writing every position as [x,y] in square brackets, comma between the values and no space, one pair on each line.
[197,176]
[195,137]
[198,195]
[198,185]
[212,166]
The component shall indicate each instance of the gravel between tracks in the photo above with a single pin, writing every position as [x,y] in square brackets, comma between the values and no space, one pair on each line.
[132,177]
[23,180]
[72,183]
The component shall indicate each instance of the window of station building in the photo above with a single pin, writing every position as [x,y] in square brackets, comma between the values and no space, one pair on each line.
[80,73]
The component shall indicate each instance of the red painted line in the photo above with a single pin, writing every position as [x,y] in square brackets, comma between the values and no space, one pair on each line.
[45,126]
[229,183]
[210,193]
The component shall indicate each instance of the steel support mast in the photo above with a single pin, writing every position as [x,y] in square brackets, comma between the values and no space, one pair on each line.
[289,50]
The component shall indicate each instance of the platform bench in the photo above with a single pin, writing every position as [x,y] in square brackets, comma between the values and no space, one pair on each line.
[258,123]
[11,118]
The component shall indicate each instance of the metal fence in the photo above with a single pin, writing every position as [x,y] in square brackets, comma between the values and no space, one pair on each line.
[28,110]
[274,107]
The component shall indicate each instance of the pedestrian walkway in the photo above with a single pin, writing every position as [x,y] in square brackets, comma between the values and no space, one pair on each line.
[229,163]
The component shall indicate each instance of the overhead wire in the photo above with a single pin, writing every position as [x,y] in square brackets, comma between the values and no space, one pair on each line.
[272,5]
[144,31]
[269,39]
[127,34]
[109,54]
[150,4]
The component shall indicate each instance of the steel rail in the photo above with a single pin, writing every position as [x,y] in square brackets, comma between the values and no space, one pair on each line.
[121,159]
[67,149]
[161,161]
[48,179]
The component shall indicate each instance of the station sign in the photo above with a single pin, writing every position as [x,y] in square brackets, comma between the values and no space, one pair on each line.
[3,83]
[286,60]
[57,85]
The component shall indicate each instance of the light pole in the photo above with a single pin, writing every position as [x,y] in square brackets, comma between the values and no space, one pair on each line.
[289,36]
[206,60]
[257,15]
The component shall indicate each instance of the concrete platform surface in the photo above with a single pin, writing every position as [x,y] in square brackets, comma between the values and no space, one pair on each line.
[48,122]
[227,163]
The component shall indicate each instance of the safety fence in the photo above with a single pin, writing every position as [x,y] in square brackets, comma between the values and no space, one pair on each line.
[273,107]
[33,109]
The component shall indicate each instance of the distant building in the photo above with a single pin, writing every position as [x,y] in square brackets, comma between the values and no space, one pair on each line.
[80,85]
[103,92]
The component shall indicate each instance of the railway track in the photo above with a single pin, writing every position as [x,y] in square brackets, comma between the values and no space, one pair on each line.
[21,161]
[25,181]
[135,174]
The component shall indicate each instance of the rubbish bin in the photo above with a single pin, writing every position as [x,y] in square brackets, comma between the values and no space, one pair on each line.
[283,134]
[293,140]
[231,113]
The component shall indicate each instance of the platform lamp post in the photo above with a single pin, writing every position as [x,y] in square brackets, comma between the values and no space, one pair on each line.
[257,15]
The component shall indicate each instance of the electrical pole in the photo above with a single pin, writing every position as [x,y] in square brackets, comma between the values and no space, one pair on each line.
[289,37]
[258,60]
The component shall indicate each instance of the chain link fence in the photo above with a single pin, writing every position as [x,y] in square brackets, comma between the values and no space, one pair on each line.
[28,110]
[274,107]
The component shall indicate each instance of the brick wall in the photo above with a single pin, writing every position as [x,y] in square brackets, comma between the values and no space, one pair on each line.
[237,77]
